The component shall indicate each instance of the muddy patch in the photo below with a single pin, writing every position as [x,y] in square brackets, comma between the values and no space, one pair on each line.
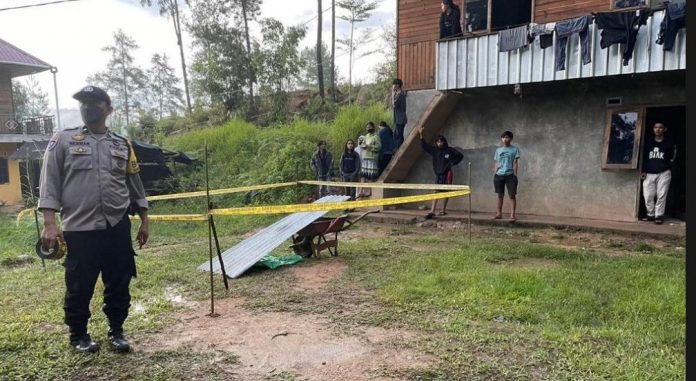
[269,343]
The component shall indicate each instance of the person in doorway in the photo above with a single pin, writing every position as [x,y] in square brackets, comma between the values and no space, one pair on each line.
[450,25]
[321,165]
[658,155]
[386,151]
[444,158]
[350,167]
[90,175]
[370,169]
[399,112]
[505,174]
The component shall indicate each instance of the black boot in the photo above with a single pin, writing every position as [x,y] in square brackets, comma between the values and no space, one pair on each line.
[117,342]
[84,344]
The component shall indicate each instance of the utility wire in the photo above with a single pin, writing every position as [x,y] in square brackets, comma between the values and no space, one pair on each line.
[36,5]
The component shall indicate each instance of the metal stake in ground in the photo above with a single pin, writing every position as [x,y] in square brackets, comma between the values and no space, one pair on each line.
[210,236]
[469,196]
[217,247]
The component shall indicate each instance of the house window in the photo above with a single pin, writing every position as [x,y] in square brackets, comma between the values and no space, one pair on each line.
[4,171]
[623,4]
[622,138]
[492,15]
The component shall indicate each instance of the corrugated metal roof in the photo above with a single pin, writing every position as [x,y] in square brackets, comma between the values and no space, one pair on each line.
[476,61]
[19,61]
[246,253]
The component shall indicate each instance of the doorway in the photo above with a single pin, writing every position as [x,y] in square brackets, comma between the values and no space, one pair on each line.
[674,118]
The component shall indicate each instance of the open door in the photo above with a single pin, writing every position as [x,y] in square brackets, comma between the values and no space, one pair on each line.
[674,118]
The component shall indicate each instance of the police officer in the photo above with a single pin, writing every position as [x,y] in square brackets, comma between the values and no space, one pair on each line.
[90,175]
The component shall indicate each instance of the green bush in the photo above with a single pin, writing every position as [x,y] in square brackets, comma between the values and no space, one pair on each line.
[243,154]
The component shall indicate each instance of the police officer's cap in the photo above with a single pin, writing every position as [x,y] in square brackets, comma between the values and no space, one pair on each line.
[92,92]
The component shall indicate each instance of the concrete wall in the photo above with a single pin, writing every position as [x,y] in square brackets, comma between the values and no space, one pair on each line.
[10,193]
[559,128]
[416,102]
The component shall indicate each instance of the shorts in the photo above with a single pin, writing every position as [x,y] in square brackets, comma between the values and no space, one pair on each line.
[500,182]
[369,169]
[445,178]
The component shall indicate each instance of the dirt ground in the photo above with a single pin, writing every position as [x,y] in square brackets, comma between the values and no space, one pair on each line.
[292,346]
[279,345]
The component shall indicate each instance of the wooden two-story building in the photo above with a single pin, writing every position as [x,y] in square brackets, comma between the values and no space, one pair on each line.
[580,129]
[16,177]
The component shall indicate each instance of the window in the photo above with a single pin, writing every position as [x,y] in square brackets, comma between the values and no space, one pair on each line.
[622,4]
[491,15]
[622,138]
[4,171]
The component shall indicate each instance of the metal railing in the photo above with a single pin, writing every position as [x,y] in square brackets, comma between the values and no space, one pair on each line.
[35,125]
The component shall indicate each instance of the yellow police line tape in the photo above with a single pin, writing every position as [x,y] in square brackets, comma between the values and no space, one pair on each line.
[219,191]
[307,182]
[448,190]
[297,208]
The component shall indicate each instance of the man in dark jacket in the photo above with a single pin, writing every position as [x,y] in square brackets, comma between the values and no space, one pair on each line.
[450,25]
[399,109]
[386,136]
[444,158]
[321,165]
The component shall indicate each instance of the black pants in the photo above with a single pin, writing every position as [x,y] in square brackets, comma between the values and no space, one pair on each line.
[110,252]
[384,159]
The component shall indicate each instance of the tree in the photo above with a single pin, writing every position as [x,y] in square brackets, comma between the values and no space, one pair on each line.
[333,49]
[163,86]
[278,61]
[123,80]
[356,11]
[245,11]
[171,8]
[320,67]
[220,65]
[29,99]
[308,69]
[351,45]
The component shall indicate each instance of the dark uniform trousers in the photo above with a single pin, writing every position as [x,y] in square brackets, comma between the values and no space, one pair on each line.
[110,252]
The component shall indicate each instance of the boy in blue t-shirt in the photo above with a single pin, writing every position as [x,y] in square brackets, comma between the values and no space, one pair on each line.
[506,164]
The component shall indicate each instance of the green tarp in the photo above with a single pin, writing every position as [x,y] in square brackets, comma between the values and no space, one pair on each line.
[273,262]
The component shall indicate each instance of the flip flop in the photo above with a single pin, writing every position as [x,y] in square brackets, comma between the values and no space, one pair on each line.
[429,216]
[513,220]
[442,214]
[497,217]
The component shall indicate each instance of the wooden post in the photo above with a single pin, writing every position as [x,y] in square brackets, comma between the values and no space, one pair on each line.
[469,170]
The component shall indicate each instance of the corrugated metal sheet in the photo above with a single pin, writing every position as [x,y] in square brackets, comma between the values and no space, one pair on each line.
[476,62]
[246,253]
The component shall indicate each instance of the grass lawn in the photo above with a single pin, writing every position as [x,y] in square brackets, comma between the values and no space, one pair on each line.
[513,305]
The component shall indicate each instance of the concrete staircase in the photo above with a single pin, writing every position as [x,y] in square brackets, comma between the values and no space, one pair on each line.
[432,119]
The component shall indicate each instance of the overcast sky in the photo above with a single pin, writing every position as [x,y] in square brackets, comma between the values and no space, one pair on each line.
[70,35]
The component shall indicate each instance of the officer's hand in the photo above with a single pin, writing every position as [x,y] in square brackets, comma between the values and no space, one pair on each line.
[143,233]
[49,234]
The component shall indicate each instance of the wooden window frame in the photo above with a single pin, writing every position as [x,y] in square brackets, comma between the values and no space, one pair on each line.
[637,138]
[613,8]
[489,16]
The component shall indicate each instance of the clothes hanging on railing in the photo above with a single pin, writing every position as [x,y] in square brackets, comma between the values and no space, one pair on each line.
[544,32]
[513,38]
[673,21]
[621,28]
[567,28]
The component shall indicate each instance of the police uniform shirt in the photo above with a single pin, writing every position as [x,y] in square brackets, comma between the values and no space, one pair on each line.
[91,179]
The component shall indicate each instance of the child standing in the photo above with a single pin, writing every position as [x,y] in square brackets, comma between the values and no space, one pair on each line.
[505,169]
[350,167]
[321,165]
[444,158]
